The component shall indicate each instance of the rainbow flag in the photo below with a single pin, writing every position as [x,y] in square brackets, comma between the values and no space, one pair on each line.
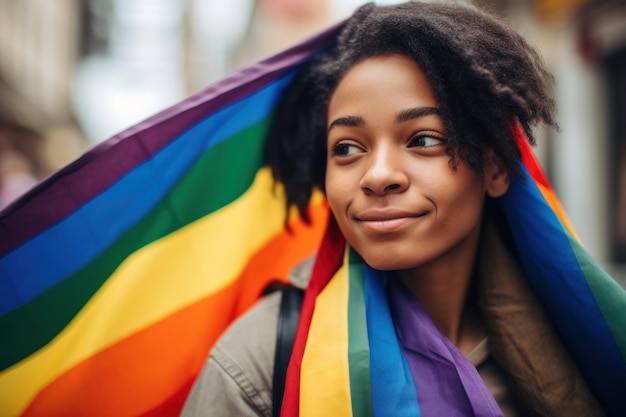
[119,272]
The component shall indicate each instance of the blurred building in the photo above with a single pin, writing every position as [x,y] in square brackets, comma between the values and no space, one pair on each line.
[132,62]
[38,132]
[584,45]
[74,72]
[278,24]
[596,128]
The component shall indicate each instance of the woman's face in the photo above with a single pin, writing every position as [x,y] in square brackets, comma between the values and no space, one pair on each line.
[389,182]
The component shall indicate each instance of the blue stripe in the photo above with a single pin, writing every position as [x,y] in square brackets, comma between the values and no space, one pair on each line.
[68,246]
[393,390]
[554,273]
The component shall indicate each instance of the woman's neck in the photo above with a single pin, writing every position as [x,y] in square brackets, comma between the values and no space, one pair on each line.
[446,292]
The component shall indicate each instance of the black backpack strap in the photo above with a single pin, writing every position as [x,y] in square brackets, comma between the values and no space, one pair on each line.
[288,318]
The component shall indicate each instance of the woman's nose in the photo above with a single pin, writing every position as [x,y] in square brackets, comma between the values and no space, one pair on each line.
[384,173]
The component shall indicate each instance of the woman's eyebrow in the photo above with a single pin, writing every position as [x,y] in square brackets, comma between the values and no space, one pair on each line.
[350,121]
[403,116]
[416,113]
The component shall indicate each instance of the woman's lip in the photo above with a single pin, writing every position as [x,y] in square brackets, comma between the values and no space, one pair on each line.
[386,215]
[387,223]
[385,226]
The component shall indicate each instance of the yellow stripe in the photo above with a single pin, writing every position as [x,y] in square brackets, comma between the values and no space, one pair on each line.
[153,275]
[325,376]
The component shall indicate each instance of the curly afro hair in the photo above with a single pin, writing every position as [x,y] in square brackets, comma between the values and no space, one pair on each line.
[485,77]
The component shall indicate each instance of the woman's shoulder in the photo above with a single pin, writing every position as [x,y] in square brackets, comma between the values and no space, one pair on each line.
[237,377]
[252,337]
[250,341]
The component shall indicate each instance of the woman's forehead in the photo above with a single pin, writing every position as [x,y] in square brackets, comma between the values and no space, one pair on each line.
[388,80]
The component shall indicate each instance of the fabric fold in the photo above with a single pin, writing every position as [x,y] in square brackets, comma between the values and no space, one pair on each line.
[523,341]
[447,383]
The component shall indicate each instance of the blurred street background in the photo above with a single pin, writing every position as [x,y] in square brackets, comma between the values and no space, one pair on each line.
[75,72]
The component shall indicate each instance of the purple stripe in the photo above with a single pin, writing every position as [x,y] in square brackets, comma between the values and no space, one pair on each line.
[69,188]
[447,383]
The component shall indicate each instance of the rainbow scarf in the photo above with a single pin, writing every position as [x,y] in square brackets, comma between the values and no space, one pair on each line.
[119,272]
[347,323]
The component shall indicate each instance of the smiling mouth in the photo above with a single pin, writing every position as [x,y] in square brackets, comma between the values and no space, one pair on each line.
[387,223]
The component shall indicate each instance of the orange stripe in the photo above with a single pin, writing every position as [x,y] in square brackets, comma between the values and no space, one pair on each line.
[275,260]
[536,172]
[150,371]
[556,206]
[135,374]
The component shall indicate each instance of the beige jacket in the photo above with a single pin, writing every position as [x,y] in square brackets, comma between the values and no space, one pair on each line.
[237,377]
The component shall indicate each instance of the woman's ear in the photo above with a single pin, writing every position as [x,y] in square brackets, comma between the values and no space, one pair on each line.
[496,176]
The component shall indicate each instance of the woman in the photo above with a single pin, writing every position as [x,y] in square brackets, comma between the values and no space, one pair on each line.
[410,125]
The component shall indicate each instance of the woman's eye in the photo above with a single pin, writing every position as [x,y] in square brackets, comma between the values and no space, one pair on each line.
[345,149]
[425,141]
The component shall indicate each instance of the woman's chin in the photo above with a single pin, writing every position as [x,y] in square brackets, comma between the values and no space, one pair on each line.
[386,263]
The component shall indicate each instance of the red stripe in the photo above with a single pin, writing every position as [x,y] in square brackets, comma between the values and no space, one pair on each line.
[528,157]
[327,263]
[173,405]
[536,172]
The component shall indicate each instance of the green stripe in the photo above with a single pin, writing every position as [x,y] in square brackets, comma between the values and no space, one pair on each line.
[358,345]
[608,294]
[233,164]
